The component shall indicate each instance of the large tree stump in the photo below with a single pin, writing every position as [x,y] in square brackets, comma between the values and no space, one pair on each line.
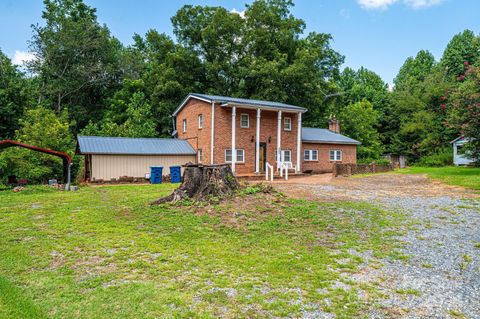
[201,182]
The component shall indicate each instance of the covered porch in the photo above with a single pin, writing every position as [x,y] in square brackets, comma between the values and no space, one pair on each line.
[264,137]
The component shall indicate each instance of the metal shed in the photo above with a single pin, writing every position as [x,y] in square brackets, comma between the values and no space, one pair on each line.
[108,158]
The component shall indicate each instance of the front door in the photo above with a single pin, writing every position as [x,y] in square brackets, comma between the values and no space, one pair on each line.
[263,156]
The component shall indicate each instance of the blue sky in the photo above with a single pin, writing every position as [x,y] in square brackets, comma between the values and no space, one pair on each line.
[376,34]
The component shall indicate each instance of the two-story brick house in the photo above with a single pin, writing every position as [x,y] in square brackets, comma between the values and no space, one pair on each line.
[258,132]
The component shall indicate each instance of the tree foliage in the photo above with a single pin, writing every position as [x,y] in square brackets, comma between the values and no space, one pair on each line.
[14,97]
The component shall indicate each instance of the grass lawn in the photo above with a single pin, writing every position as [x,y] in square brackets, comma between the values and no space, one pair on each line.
[104,252]
[468,177]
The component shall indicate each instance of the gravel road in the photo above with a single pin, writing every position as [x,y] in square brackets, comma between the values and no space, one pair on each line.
[441,277]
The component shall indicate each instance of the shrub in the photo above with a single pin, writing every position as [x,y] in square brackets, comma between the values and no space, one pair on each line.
[443,157]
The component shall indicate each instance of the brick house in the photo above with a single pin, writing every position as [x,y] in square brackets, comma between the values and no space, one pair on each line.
[259,132]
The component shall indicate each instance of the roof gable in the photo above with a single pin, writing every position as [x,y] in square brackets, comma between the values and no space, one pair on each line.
[226,100]
[320,135]
[133,146]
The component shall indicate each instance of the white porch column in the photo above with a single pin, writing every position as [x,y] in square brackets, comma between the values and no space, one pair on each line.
[212,141]
[279,137]
[234,151]
[299,142]
[257,144]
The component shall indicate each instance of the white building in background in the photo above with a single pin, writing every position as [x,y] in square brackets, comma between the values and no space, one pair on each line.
[460,156]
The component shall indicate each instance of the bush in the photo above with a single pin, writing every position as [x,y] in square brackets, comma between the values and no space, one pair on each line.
[444,157]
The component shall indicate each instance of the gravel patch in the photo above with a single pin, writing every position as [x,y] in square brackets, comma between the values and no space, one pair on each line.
[441,276]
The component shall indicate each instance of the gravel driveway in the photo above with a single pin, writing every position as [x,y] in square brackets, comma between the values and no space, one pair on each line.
[441,276]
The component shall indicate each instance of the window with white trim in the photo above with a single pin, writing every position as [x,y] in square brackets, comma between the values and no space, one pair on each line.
[335,155]
[244,120]
[310,155]
[285,156]
[200,155]
[200,121]
[240,156]
[287,123]
[185,125]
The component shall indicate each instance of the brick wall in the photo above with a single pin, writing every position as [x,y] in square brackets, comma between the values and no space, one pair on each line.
[324,165]
[244,136]
[199,138]
[351,169]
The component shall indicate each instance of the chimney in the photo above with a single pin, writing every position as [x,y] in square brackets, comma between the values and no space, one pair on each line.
[334,125]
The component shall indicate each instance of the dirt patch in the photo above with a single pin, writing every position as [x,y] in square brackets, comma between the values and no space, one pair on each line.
[256,201]
[327,188]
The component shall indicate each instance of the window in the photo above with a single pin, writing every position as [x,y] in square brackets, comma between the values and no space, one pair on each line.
[185,125]
[240,156]
[287,124]
[244,121]
[310,155]
[285,156]
[200,155]
[335,155]
[200,121]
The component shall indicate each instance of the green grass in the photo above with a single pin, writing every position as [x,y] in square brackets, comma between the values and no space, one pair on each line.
[104,252]
[468,177]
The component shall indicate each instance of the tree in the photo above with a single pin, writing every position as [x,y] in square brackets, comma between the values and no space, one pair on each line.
[14,97]
[131,120]
[76,59]
[359,121]
[464,109]
[261,55]
[464,47]
[415,70]
[43,128]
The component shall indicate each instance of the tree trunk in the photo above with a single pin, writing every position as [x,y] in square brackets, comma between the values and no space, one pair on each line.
[201,182]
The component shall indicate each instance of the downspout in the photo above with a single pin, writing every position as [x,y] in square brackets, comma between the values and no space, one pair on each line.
[212,147]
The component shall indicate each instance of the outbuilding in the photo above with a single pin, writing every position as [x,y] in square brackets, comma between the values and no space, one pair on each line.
[460,155]
[110,158]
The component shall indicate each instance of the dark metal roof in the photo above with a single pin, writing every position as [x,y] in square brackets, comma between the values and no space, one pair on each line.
[10,143]
[225,100]
[321,135]
[133,146]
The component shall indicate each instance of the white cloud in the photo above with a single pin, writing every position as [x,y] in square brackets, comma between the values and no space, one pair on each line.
[20,57]
[384,4]
[376,4]
[422,3]
[240,13]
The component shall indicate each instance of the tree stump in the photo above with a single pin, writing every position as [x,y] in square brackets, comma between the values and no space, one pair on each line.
[201,182]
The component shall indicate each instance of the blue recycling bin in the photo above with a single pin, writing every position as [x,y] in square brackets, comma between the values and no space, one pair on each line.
[175,174]
[156,174]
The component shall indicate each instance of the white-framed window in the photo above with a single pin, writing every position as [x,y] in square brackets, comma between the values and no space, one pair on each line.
[200,121]
[310,155]
[240,156]
[200,155]
[185,125]
[287,123]
[335,155]
[285,156]
[244,120]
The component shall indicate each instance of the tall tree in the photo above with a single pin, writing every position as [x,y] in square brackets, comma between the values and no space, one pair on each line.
[359,121]
[414,70]
[76,59]
[462,50]
[14,97]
